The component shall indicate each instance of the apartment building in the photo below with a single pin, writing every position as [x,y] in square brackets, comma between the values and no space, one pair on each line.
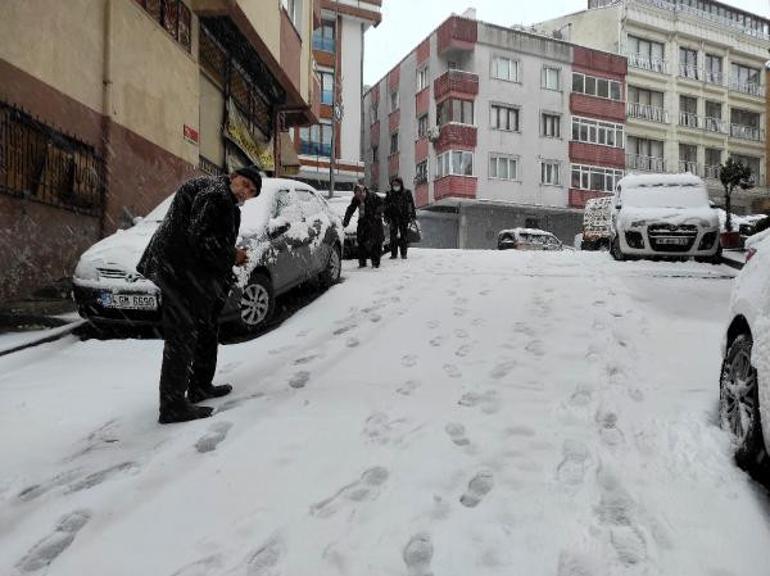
[338,48]
[106,106]
[497,127]
[696,84]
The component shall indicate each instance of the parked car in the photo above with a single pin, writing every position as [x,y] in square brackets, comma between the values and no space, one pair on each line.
[663,215]
[596,224]
[527,239]
[744,383]
[339,203]
[289,231]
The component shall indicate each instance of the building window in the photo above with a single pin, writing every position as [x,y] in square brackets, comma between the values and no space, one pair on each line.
[421,172]
[646,105]
[713,161]
[454,163]
[713,71]
[550,125]
[174,16]
[374,111]
[549,172]
[645,154]
[532,223]
[745,124]
[294,10]
[375,154]
[595,178]
[505,69]
[751,163]
[688,63]
[316,140]
[394,101]
[688,158]
[455,110]
[646,54]
[324,37]
[422,126]
[550,78]
[688,112]
[713,120]
[502,167]
[394,143]
[422,79]
[327,87]
[599,87]
[745,79]
[597,132]
[503,117]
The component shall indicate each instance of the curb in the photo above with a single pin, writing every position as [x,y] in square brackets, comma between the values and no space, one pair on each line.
[50,336]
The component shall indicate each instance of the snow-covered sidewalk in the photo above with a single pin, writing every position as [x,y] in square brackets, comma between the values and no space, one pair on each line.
[458,413]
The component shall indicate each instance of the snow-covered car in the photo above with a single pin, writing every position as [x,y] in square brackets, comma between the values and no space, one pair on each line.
[527,239]
[663,215]
[339,203]
[291,235]
[744,383]
[596,224]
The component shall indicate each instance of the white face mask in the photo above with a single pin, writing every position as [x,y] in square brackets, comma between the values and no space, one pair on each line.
[397,188]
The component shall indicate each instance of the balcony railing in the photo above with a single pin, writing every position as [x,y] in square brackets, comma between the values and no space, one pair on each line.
[711,172]
[690,72]
[324,44]
[714,125]
[646,63]
[647,112]
[750,88]
[688,120]
[747,132]
[645,163]
[689,166]
[714,77]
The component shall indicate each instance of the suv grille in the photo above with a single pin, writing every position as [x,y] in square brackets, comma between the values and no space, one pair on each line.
[672,238]
[112,273]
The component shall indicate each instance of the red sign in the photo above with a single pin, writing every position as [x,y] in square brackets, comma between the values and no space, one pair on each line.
[191,134]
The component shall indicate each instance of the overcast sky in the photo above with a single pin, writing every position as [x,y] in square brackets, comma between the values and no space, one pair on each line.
[405,23]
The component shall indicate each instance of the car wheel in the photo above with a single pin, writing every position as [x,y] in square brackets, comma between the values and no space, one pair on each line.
[257,302]
[331,274]
[739,403]
[615,250]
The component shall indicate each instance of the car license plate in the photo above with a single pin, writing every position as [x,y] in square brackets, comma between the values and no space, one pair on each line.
[673,241]
[128,301]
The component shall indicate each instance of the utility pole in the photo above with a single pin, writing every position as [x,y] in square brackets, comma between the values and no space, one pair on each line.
[336,104]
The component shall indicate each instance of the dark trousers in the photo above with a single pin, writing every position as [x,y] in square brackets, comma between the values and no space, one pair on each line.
[398,237]
[191,331]
[369,250]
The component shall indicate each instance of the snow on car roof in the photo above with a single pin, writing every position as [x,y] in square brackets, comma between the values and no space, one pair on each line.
[655,180]
[531,231]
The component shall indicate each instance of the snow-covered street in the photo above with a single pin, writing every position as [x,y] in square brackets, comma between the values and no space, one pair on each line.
[459,413]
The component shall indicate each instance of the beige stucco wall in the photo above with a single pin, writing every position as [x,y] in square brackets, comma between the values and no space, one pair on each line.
[265,17]
[60,43]
[155,89]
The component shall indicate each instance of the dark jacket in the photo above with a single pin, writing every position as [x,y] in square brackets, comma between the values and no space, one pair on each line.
[399,206]
[369,231]
[195,243]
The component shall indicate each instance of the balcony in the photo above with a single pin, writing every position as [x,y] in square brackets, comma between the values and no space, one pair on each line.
[690,72]
[455,187]
[689,120]
[645,163]
[456,83]
[315,149]
[747,133]
[716,125]
[324,44]
[457,33]
[647,112]
[750,88]
[642,62]
[456,136]
[689,166]
[715,78]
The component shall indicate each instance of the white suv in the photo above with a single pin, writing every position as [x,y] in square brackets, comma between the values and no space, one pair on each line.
[744,383]
[663,215]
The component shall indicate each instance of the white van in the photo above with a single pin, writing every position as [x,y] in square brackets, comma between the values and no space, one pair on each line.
[663,215]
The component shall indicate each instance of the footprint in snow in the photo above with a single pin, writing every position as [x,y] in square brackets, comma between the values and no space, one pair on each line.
[300,379]
[231,403]
[452,371]
[464,350]
[571,564]
[536,348]
[366,488]
[352,342]
[433,324]
[608,428]
[265,560]
[100,477]
[408,388]
[478,488]
[306,359]
[461,334]
[49,548]
[409,361]
[343,330]
[214,437]
[459,312]
[581,396]
[374,318]
[436,341]
[203,567]
[572,468]
[418,554]
[457,434]
[488,402]
[503,369]
[36,490]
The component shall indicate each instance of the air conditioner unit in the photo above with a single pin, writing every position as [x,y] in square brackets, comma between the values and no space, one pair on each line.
[433,133]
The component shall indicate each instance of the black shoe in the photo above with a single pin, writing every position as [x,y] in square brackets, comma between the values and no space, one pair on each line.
[393,256]
[403,256]
[195,395]
[362,265]
[377,265]
[183,411]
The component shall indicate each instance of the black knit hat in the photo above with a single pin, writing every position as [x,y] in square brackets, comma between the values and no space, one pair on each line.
[253,174]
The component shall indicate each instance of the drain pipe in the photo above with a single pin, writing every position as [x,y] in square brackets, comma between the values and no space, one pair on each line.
[106,149]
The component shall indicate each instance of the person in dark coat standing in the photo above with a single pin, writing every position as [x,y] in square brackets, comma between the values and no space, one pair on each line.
[190,258]
[399,212]
[369,233]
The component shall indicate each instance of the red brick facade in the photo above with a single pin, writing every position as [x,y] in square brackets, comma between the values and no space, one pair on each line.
[455,187]
[375,133]
[596,155]
[394,77]
[457,33]
[394,119]
[420,150]
[392,166]
[456,83]
[582,105]
[422,102]
[456,137]
[423,51]
[421,197]
[578,198]
[601,64]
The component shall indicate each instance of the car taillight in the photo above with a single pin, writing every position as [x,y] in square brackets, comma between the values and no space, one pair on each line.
[750,253]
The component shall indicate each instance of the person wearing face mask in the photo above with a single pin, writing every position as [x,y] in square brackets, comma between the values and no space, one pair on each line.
[369,233]
[399,212]
[190,258]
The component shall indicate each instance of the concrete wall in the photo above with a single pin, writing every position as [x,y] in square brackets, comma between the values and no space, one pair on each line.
[352,50]
[439,229]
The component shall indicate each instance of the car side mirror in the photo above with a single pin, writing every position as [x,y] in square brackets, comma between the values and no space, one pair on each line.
[277,226]
[138,220]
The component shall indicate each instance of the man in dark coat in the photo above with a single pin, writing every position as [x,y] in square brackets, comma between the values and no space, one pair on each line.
[399,212]
[190,258]
[369,234]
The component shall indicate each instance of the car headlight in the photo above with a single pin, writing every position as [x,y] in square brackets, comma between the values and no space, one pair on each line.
[86,270]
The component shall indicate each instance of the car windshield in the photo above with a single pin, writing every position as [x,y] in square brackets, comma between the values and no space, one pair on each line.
[664,196]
